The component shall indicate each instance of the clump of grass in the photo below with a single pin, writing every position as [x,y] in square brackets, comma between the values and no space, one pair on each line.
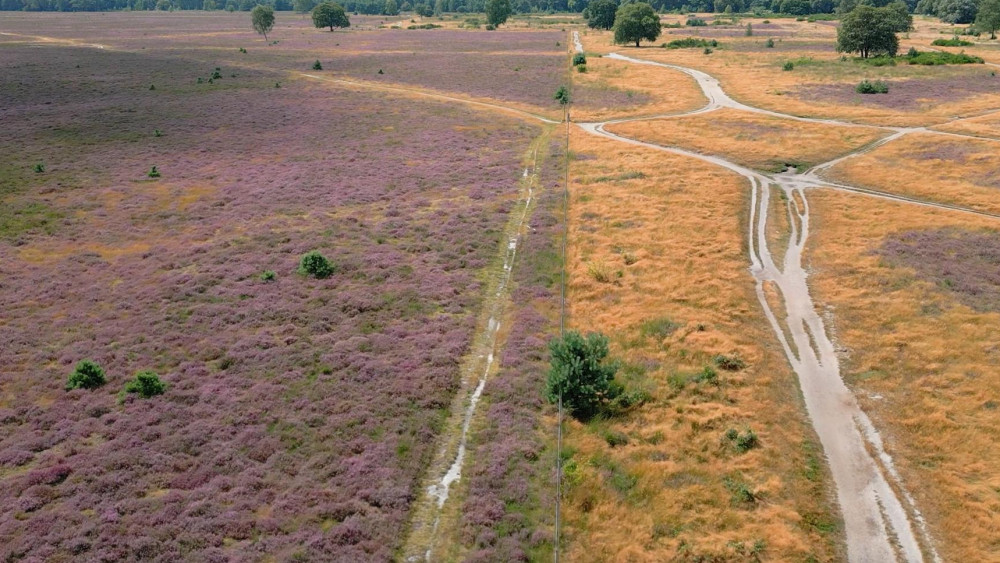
[690,43]
[615,438]
[268,276]
[153,173]
[769,43]
[789,65]
[629,258]
[277,84]
[742,442]
[868,87]
[157,133]
[740,493]
[659,328]
[707,51]
[152,86]
[628,175]
[581,68]
[729,363]
[39,168]
[217,74]
[380,71]
[600,272]
[317,65]
[242,50]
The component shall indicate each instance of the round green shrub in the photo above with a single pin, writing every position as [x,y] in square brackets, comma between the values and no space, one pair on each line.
[146,384]
[315,264]
[86,375]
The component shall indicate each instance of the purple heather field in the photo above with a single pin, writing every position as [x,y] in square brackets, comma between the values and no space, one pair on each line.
[300,413]
[965,264]
[525,67]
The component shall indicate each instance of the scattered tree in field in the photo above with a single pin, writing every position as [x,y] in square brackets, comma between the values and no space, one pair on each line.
[600,14]
[869,31]
[146,384]
[988,18]
[315,264]
[317,65]
[86,375]
[330,15]
[580,373]
[636,21]
[262,18]
[562,96]
[497,12]
[579,59]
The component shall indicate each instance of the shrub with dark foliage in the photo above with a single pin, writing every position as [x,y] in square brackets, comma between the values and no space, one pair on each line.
[87,375]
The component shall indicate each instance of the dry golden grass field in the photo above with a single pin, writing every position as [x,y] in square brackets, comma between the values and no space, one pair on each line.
[923,363]
[930,167]
[757,141]
[908,293]
[656,260]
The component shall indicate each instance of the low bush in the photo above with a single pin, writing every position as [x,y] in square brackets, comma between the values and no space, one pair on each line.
[742,442]
[157,133]
[39,168]
[428,26]
[690,42]
[615,438]
[707,51]
[146,384]
[788,66]
[471,23]
[729,363]
[581,68]
[217,74]
[317,65]
[953,42]
[268,276]
[868,87]
[153,173]
[939,58]
[579,59]
[86,375]
[695,22]
[769,43]
[315,264]
[490,27]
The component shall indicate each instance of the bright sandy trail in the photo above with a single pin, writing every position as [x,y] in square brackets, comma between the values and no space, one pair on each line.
[881,520]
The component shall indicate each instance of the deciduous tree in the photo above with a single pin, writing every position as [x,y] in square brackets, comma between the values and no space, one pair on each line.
[636,21]
[868,31]
[988,18]
[330,15]
[262,18]
[497,12]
